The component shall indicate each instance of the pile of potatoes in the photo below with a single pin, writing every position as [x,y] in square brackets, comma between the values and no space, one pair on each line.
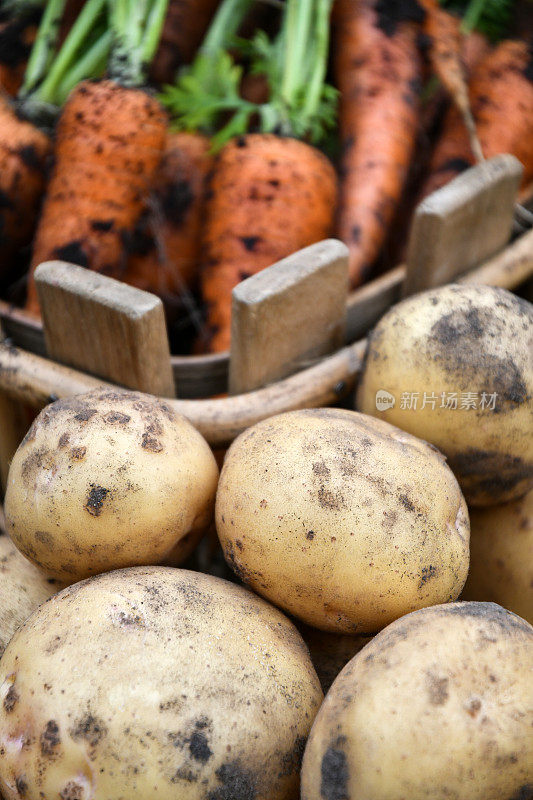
[127,675]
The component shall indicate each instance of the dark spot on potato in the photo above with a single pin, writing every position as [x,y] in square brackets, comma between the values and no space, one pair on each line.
[320,469]
[21,786]
[71,791]
[11,699]
[199,747]
[291,761]
[406,503]
[437,688]
[54,644]
[427,574]
[524,793]
[328,499]
[334,774]
[85,415]
[78,453]
[310,535]
[89,729]
[489,471]
[488,612]
[150,443]
[239,544]
[237,783]
[50,739]
[64,439]
[45,538]
[95,500]
[115,417]
[473,707]
[33,462]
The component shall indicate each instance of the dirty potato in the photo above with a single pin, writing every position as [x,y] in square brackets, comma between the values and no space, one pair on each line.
[341,519]
[23,587]
[501,556]
[106,480]
[439,705]
[153,682]
[454,366]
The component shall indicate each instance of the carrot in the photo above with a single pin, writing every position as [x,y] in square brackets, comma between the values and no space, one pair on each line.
[109,143]
[269,196]
[501,96]
[270,193]
[23,154]
[170,247]
[185,25]
[445,44]
[378,71]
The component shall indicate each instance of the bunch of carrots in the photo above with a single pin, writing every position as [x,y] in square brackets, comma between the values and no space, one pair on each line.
[174,145]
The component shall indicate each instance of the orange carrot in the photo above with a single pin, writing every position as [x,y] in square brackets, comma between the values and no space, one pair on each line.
[269,196]
[185,25]
[501,96]
[378,70]
[171,242]
[445,45]
[23,154]
[108,146]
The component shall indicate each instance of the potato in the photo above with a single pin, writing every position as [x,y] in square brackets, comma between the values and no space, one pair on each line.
[153,682]
[439,705]
[501,556]
[23,587]
[106,480]
[465,345]
[342,519]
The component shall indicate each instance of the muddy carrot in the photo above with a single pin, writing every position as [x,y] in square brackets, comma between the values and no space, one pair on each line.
[501,96]
[378,71]
[444,46]
[23,152]
[169,248]
[269,196]
[109,143]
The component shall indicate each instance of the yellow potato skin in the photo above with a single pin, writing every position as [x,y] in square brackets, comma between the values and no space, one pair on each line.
[460,338]
[501,556]
[341,519]
[153,683]
[106,480]
[23,588]
[439,705]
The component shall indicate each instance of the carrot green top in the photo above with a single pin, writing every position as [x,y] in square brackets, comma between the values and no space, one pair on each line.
[207,97]
[117,37]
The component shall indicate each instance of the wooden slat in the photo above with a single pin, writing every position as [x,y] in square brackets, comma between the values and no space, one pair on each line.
[105,327]
[464,223]
[288,315]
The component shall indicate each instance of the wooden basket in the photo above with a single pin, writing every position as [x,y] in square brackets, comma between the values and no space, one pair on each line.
[289,325]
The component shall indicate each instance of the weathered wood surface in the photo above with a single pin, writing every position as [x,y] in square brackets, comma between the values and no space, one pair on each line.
[105,327]
[462,224]
[288,315]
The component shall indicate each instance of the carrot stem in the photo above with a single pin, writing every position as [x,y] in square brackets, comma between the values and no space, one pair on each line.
[225,25]
[42,51]
[93,62]
[136,26]
[68,52]
[296,30]
[318,75]
[472,16]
